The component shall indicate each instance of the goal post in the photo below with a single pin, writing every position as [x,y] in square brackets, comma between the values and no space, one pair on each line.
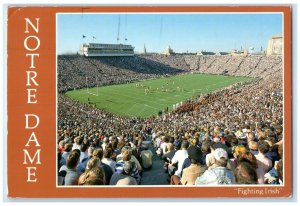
[88,86]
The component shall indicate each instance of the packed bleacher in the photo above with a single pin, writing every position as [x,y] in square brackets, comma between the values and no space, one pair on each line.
[108,70]
[230,136]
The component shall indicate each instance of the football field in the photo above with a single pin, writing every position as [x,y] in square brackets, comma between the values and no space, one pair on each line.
[148,97]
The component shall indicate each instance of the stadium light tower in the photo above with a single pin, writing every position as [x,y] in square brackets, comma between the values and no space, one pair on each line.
[125,28]
[145,51]
[118,38]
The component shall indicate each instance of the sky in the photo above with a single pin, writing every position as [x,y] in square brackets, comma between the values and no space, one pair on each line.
[182,32]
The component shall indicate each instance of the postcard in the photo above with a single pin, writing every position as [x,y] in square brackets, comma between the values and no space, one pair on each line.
[149,102]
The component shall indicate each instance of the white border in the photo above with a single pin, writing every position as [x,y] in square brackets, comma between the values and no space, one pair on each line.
[168,186]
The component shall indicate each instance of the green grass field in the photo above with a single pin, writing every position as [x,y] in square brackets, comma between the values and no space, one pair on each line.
[131,100]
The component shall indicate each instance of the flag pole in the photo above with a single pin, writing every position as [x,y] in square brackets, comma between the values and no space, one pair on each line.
[83,36]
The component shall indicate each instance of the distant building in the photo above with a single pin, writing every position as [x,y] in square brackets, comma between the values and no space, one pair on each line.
[222,53]
[93,49]
[204,53]
[239,53]
[275,46]
[168,51]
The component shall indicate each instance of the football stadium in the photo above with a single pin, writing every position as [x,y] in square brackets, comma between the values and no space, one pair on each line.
[149,118]
[150,97]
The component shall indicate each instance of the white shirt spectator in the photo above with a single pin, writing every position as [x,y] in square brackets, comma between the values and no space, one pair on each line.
[179,157]
[110,163]
[163,147]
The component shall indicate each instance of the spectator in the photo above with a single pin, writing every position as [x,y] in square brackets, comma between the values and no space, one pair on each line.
[168,156]
[94,176]
[179,158]
[245,174]
[264,164]
[146,157]
[77,143]
[107,159]
[253,147]
[274,176]
[107,170]
[127,150]
[190,174]
[83,152]
[82,165]
[220,174]
[72,175]
[205,149]
[126,156]
[124,178]
[65,154]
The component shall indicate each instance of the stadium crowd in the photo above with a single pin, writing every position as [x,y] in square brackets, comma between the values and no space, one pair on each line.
[230,136]
[107,70]
[118,70]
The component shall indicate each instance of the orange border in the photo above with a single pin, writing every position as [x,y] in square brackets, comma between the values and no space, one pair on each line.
[17,107]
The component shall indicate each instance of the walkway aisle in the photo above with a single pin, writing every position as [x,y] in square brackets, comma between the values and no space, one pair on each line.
[156,175]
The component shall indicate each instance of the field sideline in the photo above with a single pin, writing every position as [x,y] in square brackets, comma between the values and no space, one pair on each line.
[148,97]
